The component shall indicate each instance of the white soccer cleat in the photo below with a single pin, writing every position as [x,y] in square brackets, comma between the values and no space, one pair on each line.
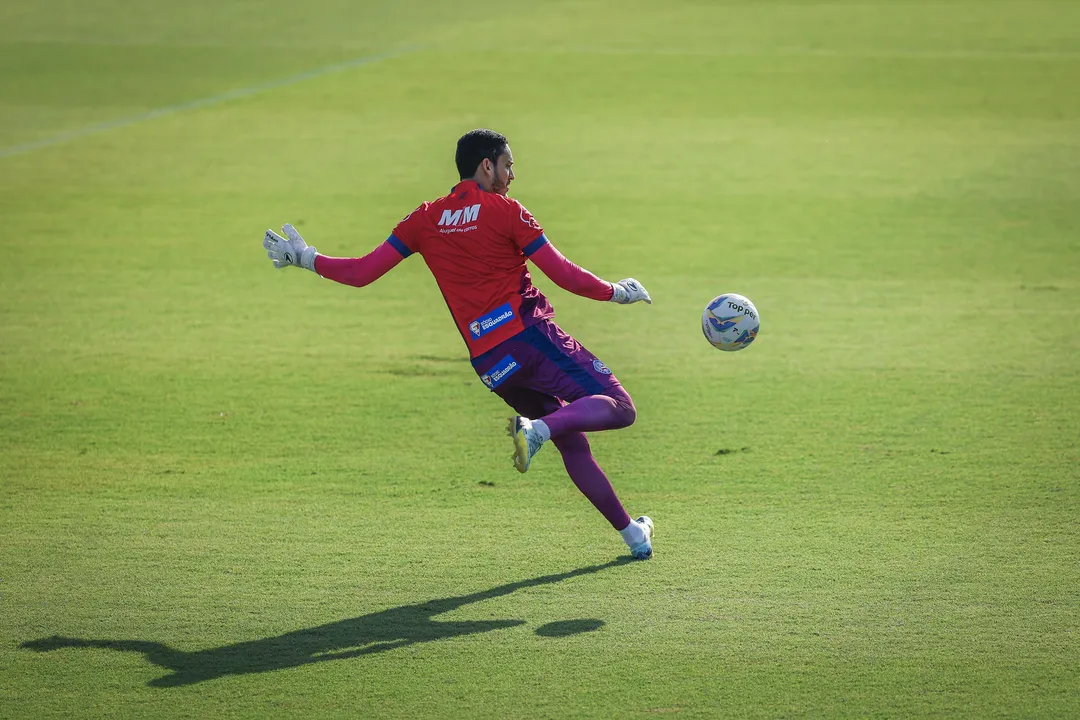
[643,549]
[527,441]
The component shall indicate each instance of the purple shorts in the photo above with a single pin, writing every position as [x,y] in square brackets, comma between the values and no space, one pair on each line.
[542,368]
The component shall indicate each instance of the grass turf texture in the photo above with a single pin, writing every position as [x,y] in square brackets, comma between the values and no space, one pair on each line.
[238,492]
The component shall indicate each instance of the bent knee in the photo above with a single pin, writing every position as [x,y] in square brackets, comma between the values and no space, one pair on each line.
[624,407]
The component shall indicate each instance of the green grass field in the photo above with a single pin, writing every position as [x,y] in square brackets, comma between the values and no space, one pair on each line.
[227,491]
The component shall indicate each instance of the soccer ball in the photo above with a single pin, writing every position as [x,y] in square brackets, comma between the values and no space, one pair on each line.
[730,322]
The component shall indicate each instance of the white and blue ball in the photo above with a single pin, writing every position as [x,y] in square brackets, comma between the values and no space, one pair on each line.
[730,322]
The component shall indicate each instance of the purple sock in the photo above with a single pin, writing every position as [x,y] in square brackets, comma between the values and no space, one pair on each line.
[592,413]
[589,478]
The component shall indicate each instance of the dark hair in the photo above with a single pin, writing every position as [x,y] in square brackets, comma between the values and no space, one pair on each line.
[474,146]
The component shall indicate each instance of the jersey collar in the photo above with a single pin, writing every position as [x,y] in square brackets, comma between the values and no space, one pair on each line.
[466,186]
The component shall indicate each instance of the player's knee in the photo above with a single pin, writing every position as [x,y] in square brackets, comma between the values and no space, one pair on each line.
[625,411]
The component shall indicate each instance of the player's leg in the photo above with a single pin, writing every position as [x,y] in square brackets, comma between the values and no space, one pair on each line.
[594,484]
[609,411]
[583,470]
[576,455]
[594,400]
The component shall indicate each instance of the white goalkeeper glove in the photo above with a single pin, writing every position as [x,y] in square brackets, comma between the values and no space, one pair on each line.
[289,250]
[629,291]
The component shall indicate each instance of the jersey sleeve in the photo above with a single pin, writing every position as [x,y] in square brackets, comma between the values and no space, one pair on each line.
[406,235]
[570,277]
[361,271]
[524,230]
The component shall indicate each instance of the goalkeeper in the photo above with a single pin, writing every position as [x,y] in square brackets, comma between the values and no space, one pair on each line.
[476,241]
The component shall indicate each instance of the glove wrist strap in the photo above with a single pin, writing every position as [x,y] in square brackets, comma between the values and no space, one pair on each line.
[307,258]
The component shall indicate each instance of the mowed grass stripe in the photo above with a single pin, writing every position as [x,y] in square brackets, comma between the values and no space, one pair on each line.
[199,103]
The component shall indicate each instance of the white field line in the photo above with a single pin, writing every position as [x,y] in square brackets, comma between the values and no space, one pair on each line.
[199,103]
[898,54]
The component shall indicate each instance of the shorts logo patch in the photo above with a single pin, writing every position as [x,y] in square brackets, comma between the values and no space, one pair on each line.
[500,371]
[600,367]
[481,326]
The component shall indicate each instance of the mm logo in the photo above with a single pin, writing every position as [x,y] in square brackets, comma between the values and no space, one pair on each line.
[464,216]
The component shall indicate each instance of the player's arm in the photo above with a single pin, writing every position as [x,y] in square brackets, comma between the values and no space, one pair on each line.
[527,234]
[576,279]
[358,272]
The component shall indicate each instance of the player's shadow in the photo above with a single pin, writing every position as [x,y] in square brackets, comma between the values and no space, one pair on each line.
[365,635]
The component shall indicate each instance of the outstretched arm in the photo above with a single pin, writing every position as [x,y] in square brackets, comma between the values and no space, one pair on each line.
[358,272]
[576,279]
[361,271]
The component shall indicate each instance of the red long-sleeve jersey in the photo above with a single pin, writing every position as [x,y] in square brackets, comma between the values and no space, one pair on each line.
[476,244]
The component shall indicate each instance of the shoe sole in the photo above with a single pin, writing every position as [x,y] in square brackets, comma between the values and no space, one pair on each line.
[521,445]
